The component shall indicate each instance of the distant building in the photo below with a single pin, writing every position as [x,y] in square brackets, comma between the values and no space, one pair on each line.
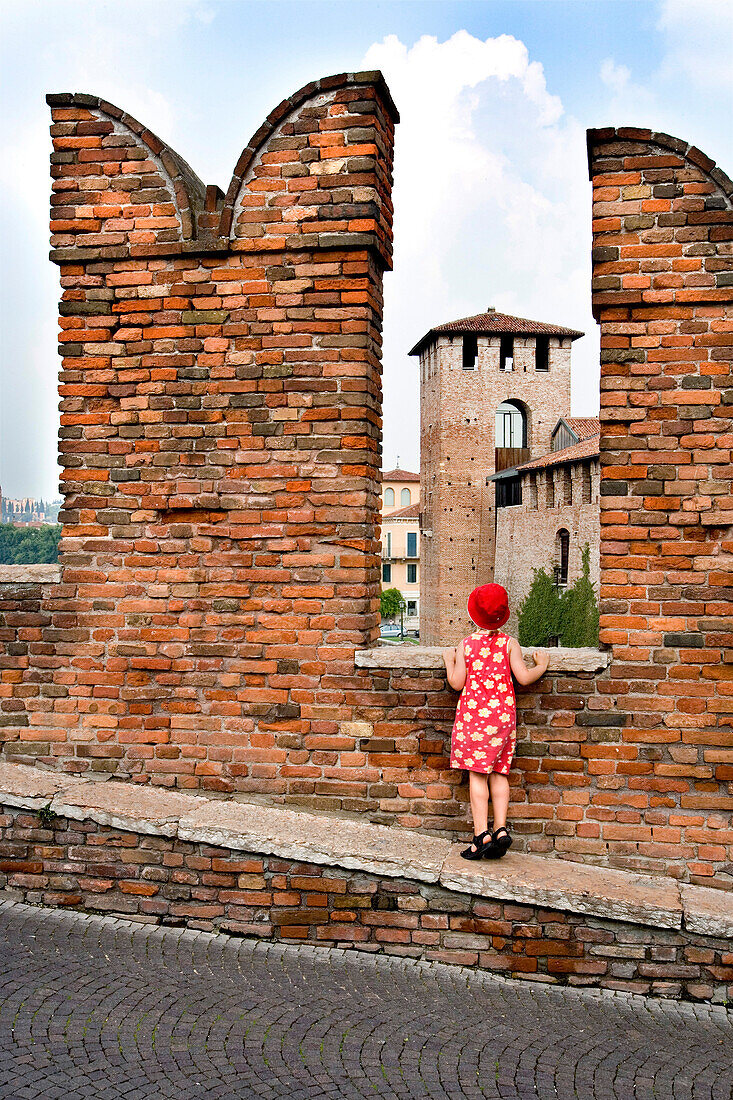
[493,391]
[401,536]
[28,512]
[547,510]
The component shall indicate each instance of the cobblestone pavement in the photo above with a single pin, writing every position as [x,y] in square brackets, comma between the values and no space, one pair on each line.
[96,1007]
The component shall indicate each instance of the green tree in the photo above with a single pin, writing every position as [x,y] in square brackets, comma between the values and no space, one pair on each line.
[390,602]
[579,615]
[539,612]
[29,545]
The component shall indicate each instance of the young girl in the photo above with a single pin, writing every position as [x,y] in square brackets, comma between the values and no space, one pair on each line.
[484,731]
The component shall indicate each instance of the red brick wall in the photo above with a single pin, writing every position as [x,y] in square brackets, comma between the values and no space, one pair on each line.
[26,650]
[662,291]
[220,436]
[221,446]
[79,864]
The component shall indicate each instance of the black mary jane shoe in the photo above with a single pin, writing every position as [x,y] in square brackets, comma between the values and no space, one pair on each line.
[499,845]
[478,842]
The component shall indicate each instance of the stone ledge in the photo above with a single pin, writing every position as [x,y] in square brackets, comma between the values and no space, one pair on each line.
[30,574]
[330,840]
[562,659]
[709,912]
[573,887]
[317,838]
[31,788]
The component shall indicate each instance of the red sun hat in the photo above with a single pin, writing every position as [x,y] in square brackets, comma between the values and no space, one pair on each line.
[488,606]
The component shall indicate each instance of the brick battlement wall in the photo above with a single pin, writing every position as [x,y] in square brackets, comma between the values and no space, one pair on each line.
[662,291]
[220,438]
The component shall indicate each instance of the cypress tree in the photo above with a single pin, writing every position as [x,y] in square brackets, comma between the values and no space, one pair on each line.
[579,615]
[539,612]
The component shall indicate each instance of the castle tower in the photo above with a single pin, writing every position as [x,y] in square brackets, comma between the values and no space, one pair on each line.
[492,388]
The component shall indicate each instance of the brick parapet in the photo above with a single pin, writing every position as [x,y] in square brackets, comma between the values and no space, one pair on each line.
[220,557]
[662,292]
[220,439]
[662,221]
[85,851]
[29,597]
[316,174]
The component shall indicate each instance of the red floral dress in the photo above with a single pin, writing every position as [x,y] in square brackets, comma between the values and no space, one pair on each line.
[485,729]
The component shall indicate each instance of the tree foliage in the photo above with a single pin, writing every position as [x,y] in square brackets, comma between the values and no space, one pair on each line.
[390,603]
[572,617]
[539,612]
[579,615]
[29,545]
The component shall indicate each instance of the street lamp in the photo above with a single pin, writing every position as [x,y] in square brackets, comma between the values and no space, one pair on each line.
[403,606]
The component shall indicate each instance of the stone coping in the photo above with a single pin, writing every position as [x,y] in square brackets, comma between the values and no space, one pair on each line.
[30,574]
[562,658]
[330,840]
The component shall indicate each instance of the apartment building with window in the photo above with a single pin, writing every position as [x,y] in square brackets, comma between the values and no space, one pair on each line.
[401,536]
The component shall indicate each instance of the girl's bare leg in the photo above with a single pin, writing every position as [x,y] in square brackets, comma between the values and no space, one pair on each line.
[499,787]
[478,790]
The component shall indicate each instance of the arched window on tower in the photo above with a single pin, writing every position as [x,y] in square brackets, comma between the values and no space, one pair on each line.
[389,498]
[511,425]
[405,498]
[510,428]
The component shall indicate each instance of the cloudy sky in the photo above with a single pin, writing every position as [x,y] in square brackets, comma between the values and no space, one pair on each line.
[491,191]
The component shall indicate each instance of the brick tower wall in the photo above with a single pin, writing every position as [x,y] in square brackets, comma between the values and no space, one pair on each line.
[457,454]
[429,487]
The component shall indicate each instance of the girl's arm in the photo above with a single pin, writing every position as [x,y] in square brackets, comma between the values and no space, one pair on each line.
[455,664]
[521,673]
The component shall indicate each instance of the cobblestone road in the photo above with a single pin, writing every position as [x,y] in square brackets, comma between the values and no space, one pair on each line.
[95,1007]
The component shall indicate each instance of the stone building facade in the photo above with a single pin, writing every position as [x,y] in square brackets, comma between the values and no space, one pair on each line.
[492,388]
[549,514]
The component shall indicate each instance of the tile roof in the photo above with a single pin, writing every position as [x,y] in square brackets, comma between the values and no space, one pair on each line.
[587,448]
[399,475]
[493,324]
[583,426]
[412,511]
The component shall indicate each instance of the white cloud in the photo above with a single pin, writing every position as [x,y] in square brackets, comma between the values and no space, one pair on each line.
[630,103]
[699,37]
[492,207]
[616,77]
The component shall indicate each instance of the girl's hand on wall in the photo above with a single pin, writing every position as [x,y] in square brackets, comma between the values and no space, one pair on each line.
[455,664]
[542,660]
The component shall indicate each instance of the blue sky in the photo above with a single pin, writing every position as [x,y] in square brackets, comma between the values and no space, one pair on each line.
[491,190]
